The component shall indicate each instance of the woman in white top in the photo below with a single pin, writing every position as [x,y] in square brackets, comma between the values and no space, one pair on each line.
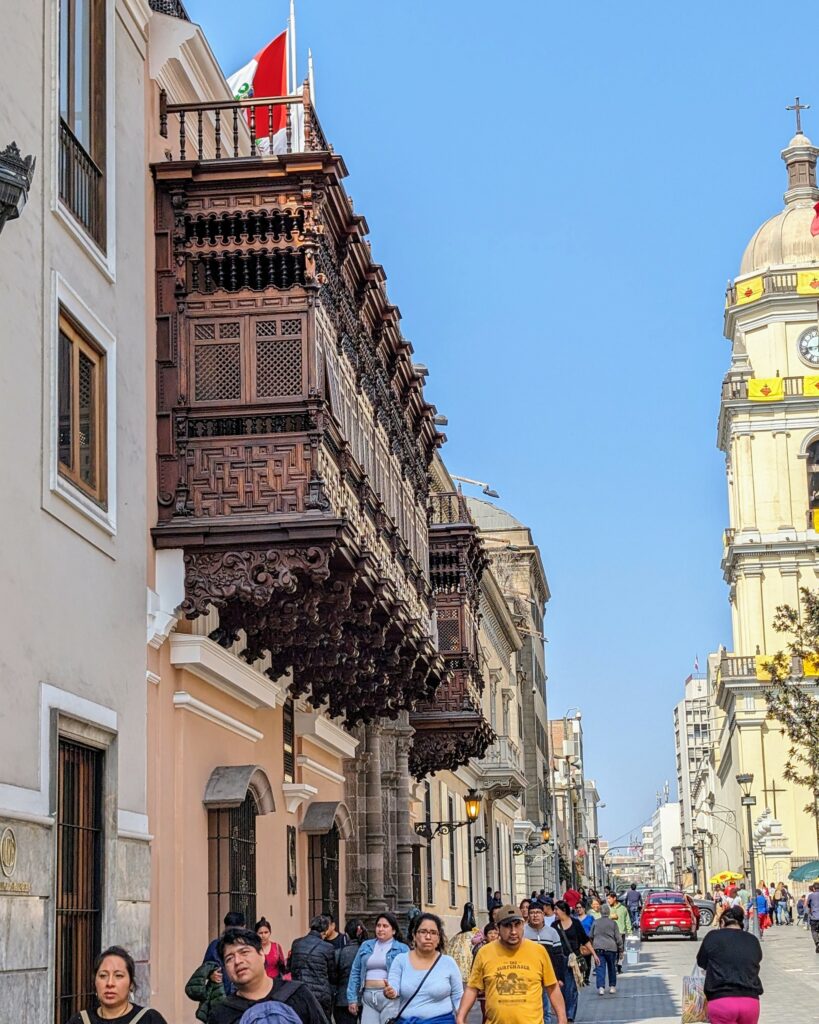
[370,970]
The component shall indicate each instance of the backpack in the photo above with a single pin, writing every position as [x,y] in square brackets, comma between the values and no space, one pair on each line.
[270,1012]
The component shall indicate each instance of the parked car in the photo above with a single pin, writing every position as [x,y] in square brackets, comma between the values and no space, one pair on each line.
[669,913]
[707,908]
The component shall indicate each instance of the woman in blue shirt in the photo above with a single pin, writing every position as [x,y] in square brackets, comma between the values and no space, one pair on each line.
[438,998]
[368,975]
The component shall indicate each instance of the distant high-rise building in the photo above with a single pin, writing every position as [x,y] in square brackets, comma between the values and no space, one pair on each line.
[692,744]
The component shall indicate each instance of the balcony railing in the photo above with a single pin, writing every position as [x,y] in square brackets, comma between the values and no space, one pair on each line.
[448,508]
[238,129]
[753,667]
[82,185]
[737,390]
[173,8]
[773,283]
[504,754]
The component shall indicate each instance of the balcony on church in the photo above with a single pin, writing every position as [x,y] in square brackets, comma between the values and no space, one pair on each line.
[294,440]
[451,728]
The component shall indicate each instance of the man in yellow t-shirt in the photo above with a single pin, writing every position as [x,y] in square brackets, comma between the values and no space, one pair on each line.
[512,973]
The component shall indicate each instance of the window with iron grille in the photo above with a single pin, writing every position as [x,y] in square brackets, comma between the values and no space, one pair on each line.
[83,113]
[289,739]
[232,862]
[416,876]
[428,817]
[78,902]
[323,873]
[81,412]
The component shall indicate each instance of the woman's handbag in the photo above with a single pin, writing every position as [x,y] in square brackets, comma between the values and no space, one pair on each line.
[397,1017]
[577,970]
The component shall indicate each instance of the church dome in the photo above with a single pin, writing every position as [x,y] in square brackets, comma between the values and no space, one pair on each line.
[786,239]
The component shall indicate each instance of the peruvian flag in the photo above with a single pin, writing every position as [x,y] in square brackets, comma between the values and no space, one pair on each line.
[265,75]
[814,228]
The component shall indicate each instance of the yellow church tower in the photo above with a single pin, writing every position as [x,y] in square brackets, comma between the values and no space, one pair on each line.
[769,431]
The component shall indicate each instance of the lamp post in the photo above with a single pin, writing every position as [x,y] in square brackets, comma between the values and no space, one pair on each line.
[593,843]
[472,807]
[745,781]
[16,173]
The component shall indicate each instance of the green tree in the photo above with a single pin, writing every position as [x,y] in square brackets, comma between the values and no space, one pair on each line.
[792,697]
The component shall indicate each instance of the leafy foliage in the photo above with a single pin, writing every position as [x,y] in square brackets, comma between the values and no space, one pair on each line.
[791,698]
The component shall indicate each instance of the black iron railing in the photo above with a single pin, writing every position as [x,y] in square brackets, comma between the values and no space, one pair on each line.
[82,185]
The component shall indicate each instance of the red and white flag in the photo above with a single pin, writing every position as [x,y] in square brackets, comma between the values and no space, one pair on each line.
[266,75]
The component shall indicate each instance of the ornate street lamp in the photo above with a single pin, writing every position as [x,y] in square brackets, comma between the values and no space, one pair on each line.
[16,173]
[745,781]
[472,802]
[534,844]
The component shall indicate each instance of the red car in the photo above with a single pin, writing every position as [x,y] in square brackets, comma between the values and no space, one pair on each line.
[668,913]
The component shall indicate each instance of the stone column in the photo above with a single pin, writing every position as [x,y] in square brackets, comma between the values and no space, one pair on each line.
[404,832]
[356,858]
[783,481]
[754,614]
[744,479]
[375,821]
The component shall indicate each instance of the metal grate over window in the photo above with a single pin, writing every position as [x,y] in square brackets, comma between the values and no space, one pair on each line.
[232,862]
[323,865]
[218,373]
[78,903]
[289,740]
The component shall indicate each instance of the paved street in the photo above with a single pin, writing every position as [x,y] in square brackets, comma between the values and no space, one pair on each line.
[651,992]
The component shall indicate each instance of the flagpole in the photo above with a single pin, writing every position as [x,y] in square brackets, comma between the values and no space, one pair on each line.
[291,32]
[310,77]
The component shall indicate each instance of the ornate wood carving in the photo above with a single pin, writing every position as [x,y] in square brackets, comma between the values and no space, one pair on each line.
[451,728]
[275,337]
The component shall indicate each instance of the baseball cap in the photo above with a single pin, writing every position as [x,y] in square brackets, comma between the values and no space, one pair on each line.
[508,913]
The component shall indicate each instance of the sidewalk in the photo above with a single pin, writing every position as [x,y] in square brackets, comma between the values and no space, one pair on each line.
[650,993]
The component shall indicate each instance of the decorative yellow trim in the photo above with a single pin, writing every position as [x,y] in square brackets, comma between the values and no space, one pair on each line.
[760,661]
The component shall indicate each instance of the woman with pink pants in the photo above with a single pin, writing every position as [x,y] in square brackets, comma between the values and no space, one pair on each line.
[730,958]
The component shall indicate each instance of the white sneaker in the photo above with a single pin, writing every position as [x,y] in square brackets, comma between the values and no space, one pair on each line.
[612,990]
[601,991]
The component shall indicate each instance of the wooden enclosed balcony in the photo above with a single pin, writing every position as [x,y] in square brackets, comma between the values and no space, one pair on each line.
[294,440]
[450,729]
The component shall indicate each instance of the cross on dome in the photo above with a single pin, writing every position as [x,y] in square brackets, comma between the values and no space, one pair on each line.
[798,108]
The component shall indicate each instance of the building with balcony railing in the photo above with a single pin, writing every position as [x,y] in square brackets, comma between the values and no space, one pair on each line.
[769,433]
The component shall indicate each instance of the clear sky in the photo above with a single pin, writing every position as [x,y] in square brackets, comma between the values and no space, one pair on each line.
[558,194]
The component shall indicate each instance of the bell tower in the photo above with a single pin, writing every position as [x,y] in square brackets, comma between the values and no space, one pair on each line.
[769,431]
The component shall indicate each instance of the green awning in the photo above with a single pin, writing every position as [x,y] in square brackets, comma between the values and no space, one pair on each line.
[805,873]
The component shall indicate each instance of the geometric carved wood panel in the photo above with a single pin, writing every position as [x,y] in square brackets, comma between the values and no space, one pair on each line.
[234,478]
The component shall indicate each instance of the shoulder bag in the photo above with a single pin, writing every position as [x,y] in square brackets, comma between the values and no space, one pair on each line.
[397,1017]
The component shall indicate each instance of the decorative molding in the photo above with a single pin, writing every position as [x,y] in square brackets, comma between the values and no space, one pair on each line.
[295,794]
[315,728]
[35,803]
[309,764]
[204,658]
[152,677]
[185,702]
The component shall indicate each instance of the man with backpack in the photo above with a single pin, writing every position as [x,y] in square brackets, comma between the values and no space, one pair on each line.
[258,998]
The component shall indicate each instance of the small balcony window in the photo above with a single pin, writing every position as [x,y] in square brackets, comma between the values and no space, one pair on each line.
[83,113]
[81,412]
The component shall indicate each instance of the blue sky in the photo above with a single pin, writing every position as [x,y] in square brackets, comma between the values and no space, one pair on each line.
[559,193]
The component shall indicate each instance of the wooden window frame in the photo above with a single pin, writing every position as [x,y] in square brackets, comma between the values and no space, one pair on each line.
[81,343]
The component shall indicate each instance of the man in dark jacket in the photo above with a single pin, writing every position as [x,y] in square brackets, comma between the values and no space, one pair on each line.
[241,952]
[233,919]
[313,961]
